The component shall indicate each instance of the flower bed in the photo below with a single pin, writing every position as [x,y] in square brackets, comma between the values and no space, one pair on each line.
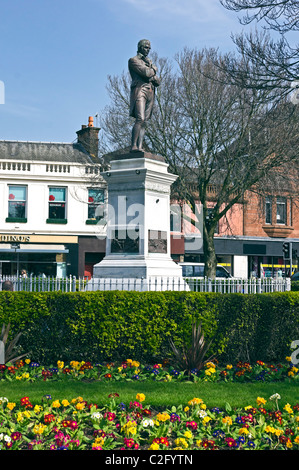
[132,370]
[78,425]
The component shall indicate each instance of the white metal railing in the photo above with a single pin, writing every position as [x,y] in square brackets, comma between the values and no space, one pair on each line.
[243,286]
[43,283]
[73,284]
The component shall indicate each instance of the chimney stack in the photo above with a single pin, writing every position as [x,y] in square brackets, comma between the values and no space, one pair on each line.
[88,136]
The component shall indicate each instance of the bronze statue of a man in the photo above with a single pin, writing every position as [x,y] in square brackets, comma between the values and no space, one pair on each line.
[144,82]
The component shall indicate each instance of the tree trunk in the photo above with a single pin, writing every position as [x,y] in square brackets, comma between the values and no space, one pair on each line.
[210,259]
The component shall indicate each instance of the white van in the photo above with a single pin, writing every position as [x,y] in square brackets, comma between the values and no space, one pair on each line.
[197,270]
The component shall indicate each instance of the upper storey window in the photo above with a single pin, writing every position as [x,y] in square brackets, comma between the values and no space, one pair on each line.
[17,202]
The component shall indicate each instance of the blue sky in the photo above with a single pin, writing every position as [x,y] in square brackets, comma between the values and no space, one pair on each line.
[55,55]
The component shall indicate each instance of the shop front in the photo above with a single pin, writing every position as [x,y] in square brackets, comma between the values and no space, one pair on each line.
[36,255]
[271,266]
[250,257]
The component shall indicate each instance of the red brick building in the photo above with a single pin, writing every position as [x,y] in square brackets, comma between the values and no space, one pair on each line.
[249,241]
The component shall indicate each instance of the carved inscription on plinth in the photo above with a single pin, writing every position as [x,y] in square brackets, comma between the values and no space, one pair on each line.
[157,241]
[124,243]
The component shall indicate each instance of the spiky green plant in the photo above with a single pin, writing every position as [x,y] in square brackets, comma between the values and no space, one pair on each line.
[9,347]
[193,356]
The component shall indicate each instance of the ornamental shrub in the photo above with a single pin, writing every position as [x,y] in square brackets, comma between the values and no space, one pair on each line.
[116,325]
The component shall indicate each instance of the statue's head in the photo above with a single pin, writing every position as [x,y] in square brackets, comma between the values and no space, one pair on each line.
[144,46]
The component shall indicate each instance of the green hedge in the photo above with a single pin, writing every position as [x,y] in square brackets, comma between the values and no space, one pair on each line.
[101,326]
[295,286]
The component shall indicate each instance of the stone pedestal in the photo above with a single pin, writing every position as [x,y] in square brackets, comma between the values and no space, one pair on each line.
[138,225]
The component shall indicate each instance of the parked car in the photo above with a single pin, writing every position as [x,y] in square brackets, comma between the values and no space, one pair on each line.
[197,270]
[295,276]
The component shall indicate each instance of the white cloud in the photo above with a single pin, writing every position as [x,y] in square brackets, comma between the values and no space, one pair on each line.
[20,109]
[196,11]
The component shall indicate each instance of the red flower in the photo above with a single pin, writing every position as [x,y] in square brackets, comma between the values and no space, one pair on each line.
[11,196]
[191,424]
[164,441]
[49,418]
[110,416]
[230,442]
[52,198]
[161,440]
[129,442]
[90,199]
[26,402]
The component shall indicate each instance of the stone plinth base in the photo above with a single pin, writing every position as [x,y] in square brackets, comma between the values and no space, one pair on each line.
[138,226]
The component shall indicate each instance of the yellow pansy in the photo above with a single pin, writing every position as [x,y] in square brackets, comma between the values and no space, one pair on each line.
[288,408]
[130,427]
[243,431]
[163,416]
[261,401]
[227,420]
[80,406]
[39,428]
[99,441]
[205,420]
[181,442]
[140,397]
[10,406]
[154,446]
[195,401]
[210,364]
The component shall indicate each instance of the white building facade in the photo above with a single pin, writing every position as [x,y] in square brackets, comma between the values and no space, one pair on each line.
[52,198]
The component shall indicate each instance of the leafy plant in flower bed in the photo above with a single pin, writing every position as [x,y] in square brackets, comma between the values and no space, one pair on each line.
[191,357]
[79,425]
[10,347]
[130,370]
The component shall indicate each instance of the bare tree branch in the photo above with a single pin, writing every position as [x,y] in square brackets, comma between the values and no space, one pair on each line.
[268,62]
[279,15]
[212,132]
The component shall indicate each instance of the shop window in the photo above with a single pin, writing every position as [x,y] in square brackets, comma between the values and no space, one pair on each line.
[57,205]
[268,210]
[96,198]
[281,210]
[17,199]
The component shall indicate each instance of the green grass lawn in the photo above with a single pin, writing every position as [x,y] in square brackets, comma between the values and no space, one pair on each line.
[158,394]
